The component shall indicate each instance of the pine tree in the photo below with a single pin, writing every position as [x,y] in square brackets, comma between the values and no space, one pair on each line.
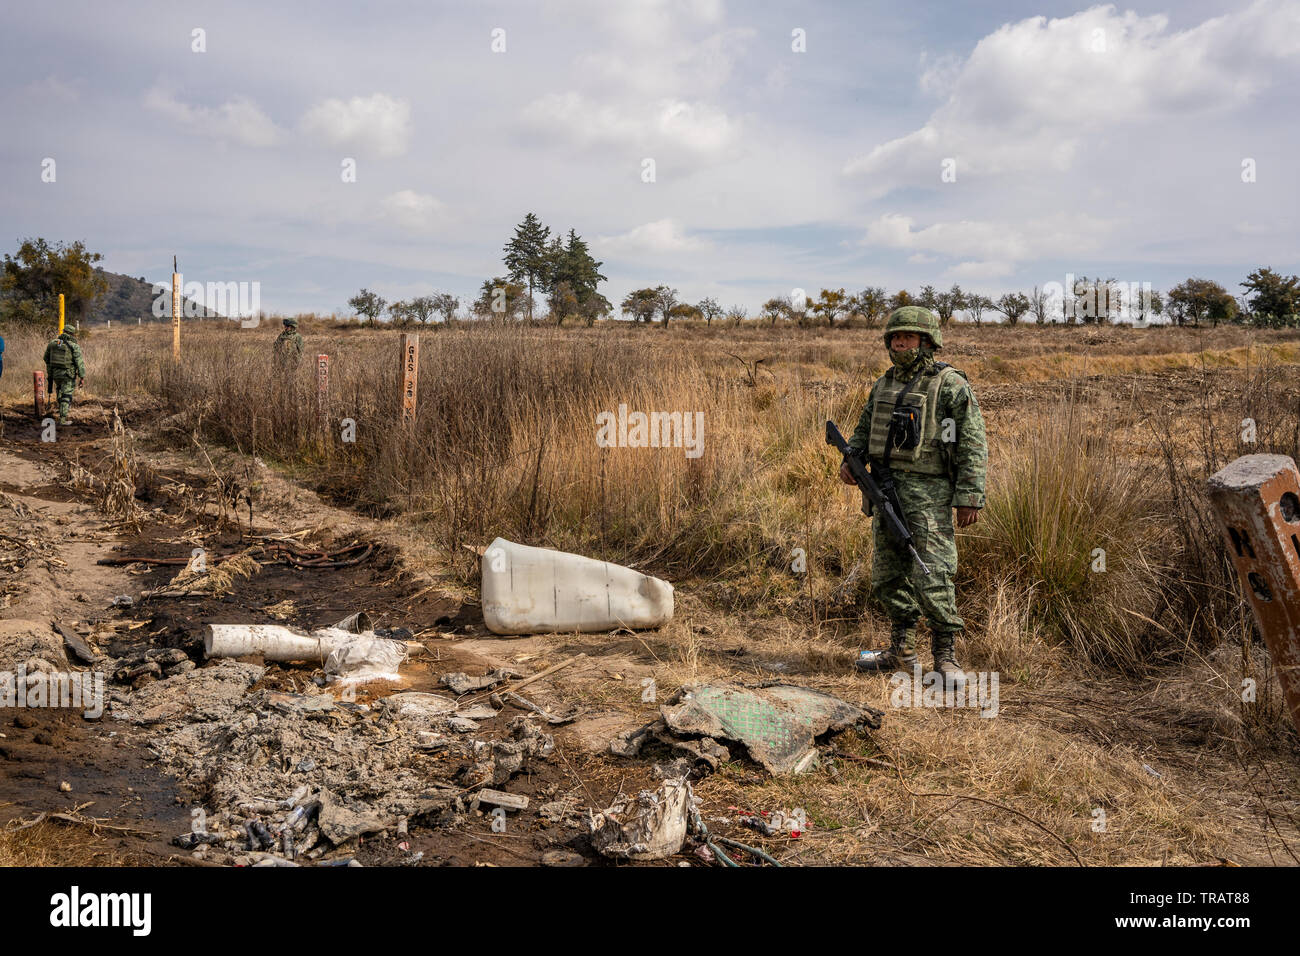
[527,256]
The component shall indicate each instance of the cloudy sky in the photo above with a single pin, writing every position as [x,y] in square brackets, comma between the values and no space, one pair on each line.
[997,145]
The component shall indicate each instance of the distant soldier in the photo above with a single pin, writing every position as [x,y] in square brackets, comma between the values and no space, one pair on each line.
[65,369]
[923,424]
[288,344]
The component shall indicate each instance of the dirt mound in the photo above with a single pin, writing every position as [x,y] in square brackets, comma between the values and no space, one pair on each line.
[20,641]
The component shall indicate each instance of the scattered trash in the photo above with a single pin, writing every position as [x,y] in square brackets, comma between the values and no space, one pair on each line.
[650,827]
[122,600]
[559,812]
[358,623]
[365,658]
[755,822]
[1151,770]
[704,753]
[77,644]
[461,683]
[272,642]
[549,717]
[778,725]
[340,822]
[417,707]
[497,798]
[528,590]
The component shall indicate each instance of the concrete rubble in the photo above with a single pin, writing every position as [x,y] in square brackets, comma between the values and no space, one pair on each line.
[301,777]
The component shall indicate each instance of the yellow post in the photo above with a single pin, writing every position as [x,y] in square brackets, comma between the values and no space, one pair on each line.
[176,312]
[60,313]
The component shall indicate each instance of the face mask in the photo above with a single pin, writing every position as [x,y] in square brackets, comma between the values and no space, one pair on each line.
[904,358]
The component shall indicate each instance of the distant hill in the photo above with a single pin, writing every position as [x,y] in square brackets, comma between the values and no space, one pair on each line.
[129,299]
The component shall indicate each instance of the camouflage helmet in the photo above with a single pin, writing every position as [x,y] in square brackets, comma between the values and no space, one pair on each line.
[290,321]
[914,318]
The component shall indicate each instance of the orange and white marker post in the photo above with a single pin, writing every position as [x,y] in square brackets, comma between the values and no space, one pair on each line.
[38,387]
[1257,500]
[410,375]
[176,312]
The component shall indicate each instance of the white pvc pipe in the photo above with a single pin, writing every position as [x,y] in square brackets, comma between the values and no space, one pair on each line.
[273,642]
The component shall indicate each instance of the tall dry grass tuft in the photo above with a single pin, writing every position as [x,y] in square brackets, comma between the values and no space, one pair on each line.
[1070,528]
[117,496]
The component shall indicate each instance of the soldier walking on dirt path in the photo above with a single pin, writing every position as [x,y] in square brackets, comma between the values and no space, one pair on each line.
[65,369]
[938,454]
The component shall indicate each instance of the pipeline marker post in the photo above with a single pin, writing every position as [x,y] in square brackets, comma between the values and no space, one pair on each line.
[322,390]
[1257,501]
[176,312]
[410,375]
[38,387]
[60,313]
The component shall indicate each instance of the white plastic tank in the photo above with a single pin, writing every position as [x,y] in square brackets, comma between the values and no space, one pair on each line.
[529,590]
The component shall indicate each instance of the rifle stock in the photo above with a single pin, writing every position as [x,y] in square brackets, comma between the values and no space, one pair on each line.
[872,492]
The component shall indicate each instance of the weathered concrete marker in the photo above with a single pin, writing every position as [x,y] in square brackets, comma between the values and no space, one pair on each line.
[410,375]
[322,387]
[38,386]
[1257,500]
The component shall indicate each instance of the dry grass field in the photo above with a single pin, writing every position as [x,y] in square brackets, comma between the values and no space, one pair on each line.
[1121,735]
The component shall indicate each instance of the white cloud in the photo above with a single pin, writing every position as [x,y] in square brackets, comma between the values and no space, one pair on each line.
[1035,94]
[52,88]
[239,119]
[377,122]
[652,238]
[1053,236]
[939,74]
[698,128]
[645,21]
[991,269]
[415,211]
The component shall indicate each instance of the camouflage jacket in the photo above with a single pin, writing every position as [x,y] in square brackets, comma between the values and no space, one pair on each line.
[968,460]
[77,365]
[288,345]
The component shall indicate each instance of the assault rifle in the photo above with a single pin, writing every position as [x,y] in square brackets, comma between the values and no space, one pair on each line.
[882,500]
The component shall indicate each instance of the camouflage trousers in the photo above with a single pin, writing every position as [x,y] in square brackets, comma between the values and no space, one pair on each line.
[63,389]
[902,588]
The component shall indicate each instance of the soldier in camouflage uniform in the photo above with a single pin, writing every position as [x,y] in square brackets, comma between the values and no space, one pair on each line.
[65,369]
[288,345]
[944,470]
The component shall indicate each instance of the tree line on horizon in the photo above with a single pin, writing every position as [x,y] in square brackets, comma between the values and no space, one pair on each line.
[567,276]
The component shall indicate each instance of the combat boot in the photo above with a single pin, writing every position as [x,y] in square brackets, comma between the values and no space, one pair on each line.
[900,655]
[945,660]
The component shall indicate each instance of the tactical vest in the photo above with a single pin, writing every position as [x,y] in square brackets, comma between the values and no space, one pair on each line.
[930,456]
[61,356]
